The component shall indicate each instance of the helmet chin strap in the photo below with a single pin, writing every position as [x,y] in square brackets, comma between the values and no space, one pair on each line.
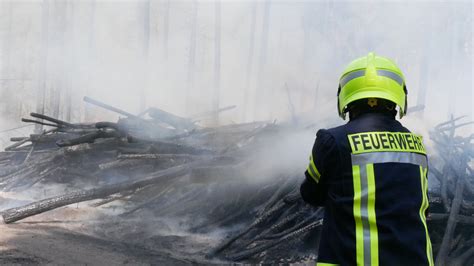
[406,101]
[338,110]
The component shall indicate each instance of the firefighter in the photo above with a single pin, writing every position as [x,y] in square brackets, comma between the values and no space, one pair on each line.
[370,174]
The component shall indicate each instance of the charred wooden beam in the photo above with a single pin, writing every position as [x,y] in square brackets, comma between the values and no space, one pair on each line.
[19,213]
[52,119]
[443,253]
[462,219]
[200,116]
[15,139]
[159,156]
[38,122]
[109,107]
[18,144]
[177,122]
[89,137]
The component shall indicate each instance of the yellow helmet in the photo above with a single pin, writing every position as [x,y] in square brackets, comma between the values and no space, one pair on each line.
[372,76]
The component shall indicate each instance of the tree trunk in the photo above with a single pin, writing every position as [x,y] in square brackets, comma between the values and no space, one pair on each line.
[454,25]
[70,67]
[6,74]
[217,62]
[60,71]
[423,82]
[260,90]
[91,57]
[166,18]
[249,64]
[40,98]
[191,56]
[146,52]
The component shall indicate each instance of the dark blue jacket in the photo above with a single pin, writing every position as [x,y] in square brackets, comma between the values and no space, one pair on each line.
[371,176]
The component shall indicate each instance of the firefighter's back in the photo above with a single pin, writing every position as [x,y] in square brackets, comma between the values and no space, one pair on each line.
[376,197]
[370,174]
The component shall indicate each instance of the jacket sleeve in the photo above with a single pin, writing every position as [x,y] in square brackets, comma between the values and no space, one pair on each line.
[322,162]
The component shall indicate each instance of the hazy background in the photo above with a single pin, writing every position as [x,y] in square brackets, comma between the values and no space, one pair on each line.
[192,56]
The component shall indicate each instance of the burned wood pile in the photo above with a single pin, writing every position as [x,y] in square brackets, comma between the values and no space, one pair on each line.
[214,179]
[451,217]
[162,165]
[288,220]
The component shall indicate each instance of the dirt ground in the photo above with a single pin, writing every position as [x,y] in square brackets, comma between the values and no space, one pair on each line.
[75,235]
[32,243]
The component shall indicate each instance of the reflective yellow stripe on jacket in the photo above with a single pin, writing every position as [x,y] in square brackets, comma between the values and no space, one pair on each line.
[312,170]
[367,252]
[423,207]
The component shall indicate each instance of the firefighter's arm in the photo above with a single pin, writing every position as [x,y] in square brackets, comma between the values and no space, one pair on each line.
[321,161]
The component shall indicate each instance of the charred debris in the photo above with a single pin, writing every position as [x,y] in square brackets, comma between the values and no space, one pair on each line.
[166,165]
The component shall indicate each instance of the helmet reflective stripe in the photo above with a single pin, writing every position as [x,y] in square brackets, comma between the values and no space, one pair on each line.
[351,76]
[381,72]
[391,75]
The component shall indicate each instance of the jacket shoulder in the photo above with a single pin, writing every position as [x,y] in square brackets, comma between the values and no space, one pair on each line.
[334,133]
